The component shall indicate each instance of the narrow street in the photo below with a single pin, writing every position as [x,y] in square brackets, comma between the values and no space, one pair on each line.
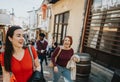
[93,25]
[48,76]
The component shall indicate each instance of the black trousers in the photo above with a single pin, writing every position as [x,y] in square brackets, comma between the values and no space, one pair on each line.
[42,58]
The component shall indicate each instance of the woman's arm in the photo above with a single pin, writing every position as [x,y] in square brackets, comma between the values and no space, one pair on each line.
[37,64]
[36,60]
[6,75]
[54,54]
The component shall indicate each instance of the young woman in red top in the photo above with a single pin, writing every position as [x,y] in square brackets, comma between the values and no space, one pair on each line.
[64,56]
[17,59]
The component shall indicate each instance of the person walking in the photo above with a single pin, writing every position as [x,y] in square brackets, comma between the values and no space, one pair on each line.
[52,48]
[16,58]
[41,49]
[62,59]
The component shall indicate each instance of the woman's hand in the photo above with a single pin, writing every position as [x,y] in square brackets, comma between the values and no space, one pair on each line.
[75,58]
[55,69]
[37,64]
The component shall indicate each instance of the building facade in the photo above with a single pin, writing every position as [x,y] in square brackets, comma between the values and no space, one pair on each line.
[94,26]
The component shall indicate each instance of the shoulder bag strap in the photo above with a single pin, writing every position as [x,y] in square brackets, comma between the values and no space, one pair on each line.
[58,54]
[31,53]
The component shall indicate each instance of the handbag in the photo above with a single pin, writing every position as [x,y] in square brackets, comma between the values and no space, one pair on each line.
[51,63]
[36,76]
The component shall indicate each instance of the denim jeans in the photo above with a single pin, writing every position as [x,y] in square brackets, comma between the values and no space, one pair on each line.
[64,72]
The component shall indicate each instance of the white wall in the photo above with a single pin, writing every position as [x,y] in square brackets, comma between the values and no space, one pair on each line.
[75,22]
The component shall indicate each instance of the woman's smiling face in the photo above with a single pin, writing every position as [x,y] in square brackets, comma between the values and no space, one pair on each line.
[66,42]
[17,40]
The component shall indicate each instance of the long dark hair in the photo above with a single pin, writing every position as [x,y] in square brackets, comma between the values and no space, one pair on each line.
[9,47]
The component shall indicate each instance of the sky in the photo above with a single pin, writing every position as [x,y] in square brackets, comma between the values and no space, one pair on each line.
[20,6]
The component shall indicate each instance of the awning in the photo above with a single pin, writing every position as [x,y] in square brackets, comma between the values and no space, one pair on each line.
[4,19]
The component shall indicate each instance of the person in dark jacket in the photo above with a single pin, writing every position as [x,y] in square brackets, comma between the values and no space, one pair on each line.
[41,46]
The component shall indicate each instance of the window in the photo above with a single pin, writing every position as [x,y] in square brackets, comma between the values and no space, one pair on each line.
[102,32]
[60,27]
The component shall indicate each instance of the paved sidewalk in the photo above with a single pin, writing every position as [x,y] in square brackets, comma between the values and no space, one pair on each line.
[48,76]
[48,73]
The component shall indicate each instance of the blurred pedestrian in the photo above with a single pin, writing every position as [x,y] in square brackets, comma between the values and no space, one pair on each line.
[17,59]
[2,48]
[1,52]
[41,49]
[51,49]
[60,63]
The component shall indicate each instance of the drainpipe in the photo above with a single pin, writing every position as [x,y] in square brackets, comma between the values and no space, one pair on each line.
[84,13]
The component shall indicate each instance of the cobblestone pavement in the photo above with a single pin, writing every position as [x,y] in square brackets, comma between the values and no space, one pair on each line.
[48,76]
[48,73]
